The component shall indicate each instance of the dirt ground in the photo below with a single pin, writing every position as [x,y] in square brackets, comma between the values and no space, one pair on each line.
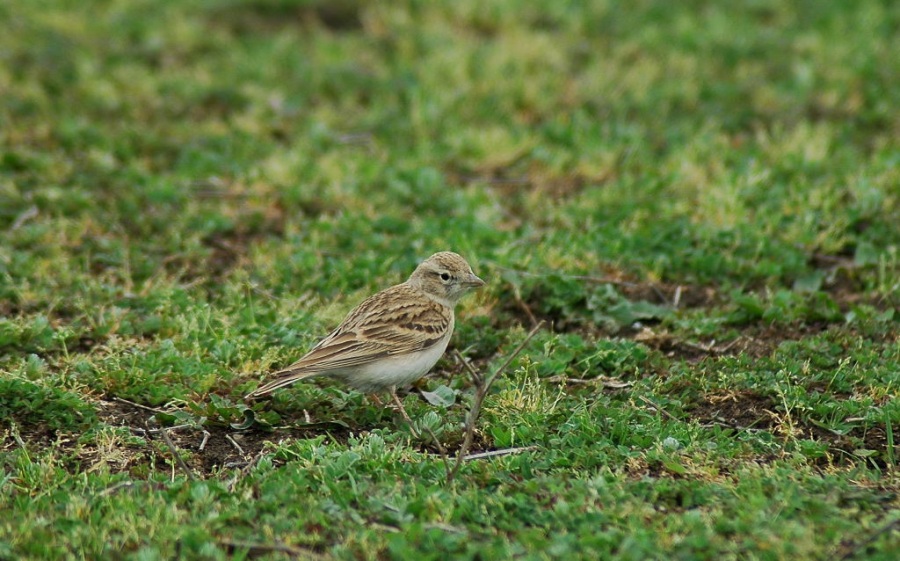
[208,450]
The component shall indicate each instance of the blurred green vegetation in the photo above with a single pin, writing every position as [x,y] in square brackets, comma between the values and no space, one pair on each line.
[701,198]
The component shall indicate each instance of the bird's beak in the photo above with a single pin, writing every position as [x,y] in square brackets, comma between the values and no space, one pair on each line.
[474,281]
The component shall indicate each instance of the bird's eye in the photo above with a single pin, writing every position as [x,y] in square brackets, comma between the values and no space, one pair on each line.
[445,277]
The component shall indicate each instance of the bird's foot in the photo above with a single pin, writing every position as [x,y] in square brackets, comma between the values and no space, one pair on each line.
[402,410]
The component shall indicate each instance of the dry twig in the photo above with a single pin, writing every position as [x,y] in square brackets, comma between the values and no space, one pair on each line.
[498,453]
[137,405]
[204,441]
[482,386]
[861,546]
[710,348]
[604,381]
[234,443]
[245,470]
[27,215]
[178,459]
[441,448]
[260,549]
[517,296]
[657,408]
[160,429]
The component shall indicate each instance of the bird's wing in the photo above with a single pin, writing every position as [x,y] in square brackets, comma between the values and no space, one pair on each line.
[396,321]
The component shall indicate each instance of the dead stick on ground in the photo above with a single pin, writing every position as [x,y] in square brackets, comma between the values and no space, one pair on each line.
[234,443]
[115,488]
[517,296]
[440,447]
[178,458]
[860,547]
[161,429]
[259,549]
[482,386]
[137,405]
[497,453]
[245,471]
[29,213]
[476,376]
[205,439]
[657,408]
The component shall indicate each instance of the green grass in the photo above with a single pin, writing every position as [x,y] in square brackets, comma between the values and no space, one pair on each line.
[700,199]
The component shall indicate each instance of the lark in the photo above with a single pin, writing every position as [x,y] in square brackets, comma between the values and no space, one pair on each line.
[394,337]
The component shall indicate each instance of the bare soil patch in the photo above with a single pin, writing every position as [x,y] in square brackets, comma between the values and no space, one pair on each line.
[740,410]
[211,447]
[751,411]
[755,340]
[268,17]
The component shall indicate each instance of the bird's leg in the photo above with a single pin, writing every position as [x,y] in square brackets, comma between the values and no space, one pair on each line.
[399,404]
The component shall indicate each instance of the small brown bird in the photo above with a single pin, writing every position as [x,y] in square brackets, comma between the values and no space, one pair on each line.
[394,337]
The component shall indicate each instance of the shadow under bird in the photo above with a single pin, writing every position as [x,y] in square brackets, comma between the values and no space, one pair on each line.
[394,337]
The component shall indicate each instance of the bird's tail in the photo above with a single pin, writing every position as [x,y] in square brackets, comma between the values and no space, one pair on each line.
[282,379]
